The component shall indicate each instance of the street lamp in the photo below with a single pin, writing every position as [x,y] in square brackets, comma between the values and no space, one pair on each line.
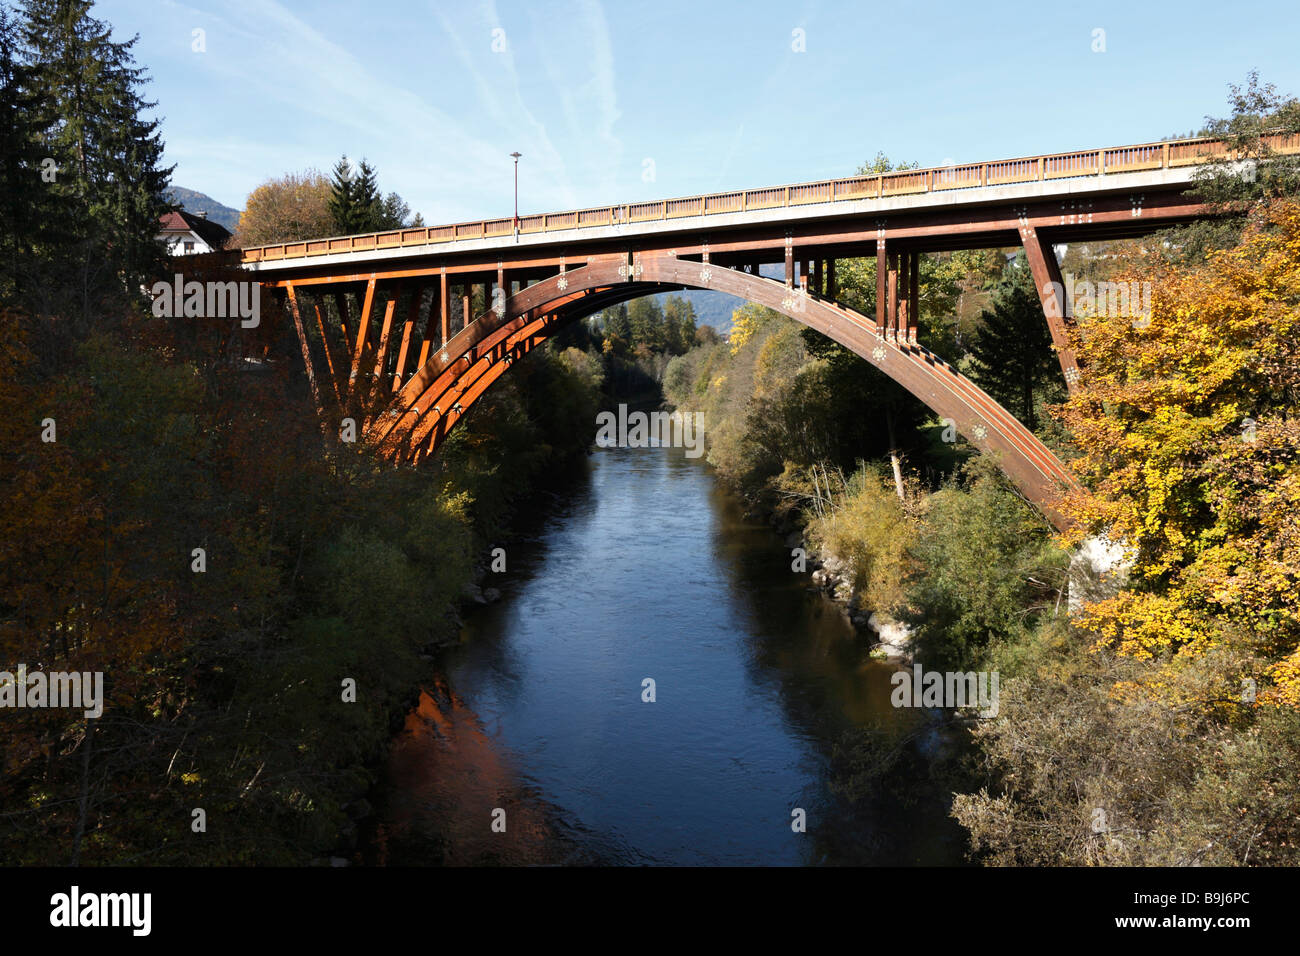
[516,157]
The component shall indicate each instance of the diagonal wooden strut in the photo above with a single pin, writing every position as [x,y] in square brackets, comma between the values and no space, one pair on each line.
[1051,292]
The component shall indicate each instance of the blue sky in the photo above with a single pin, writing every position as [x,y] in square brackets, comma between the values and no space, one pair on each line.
[619,101]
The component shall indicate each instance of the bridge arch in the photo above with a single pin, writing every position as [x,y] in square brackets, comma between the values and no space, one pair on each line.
[440,393]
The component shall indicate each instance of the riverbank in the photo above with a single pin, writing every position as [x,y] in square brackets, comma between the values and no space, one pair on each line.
[833,576]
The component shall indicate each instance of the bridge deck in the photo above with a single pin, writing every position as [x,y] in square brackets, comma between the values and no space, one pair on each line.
[1066,177]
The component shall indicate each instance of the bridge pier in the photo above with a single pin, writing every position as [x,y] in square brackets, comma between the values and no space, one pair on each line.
[882,284]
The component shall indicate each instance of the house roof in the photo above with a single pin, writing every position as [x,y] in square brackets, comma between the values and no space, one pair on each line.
[213,233]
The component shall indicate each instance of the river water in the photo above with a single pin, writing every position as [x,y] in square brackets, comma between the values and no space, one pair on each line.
[642,567]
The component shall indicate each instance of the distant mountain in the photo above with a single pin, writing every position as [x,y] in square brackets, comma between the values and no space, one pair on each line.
[711,308]
[197,202]
[715,308]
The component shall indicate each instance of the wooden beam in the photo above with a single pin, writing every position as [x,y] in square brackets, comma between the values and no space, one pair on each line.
[904,294]
[329,357]
[382,354]
[914,295]
[1051,292]
[342,307]
[363,325]
[412,315]
[307,362]
[882,295]
[444,311]
[891,306]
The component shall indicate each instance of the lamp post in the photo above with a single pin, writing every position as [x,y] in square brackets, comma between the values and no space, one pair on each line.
[516,158]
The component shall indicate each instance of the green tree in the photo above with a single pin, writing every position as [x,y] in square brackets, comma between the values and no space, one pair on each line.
[646,321]
[393,212]
[22,201]
[614,322]
[679,324]
[1011,352]
[357,205]
[353,197]
[1234,186]
[99,240]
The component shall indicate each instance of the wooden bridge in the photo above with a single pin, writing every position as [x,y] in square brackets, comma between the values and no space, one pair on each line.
[407,382]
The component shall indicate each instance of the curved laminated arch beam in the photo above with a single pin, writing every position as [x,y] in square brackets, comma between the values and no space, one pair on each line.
[452,394]
[423,411]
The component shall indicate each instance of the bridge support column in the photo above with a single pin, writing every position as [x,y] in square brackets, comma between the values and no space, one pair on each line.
[904,296]
[329,351]
[830,279]
[389,308]
[307,361]
[1051,292]
[891,305]
[444,309]
[882,294]
[341,307]
[412,316]
[914,298]
[363,326]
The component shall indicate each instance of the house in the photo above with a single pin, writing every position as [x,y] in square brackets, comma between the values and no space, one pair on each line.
[188,233]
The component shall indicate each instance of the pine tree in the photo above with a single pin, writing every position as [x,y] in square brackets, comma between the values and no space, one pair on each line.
[22,198]
[366,201]
[395,213]
[343,198]
[616,322]
[97,243]
[1011,352]
[645,322]
[358,206]
[679,324]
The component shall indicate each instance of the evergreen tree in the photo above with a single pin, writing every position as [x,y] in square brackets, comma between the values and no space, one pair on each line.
[365,197]
[96,242]
[1011,352]
[645,320]
[355,203]
[393,212]
[342,204]
[358,206]
[616,323]
[21,196]
[679,324]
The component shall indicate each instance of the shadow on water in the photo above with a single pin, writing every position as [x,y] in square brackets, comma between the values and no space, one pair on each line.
[644,568]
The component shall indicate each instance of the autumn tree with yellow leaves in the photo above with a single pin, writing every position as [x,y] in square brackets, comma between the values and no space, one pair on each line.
[1191,449]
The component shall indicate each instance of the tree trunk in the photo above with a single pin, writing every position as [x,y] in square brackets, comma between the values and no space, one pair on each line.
[893,455]
[83,810]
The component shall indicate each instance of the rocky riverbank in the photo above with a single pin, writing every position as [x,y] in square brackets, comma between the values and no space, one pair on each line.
[832,575]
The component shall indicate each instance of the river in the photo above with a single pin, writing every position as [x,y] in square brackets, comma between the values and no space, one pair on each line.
[642,567]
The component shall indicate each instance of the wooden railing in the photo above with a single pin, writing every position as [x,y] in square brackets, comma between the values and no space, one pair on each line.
[1092,162]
